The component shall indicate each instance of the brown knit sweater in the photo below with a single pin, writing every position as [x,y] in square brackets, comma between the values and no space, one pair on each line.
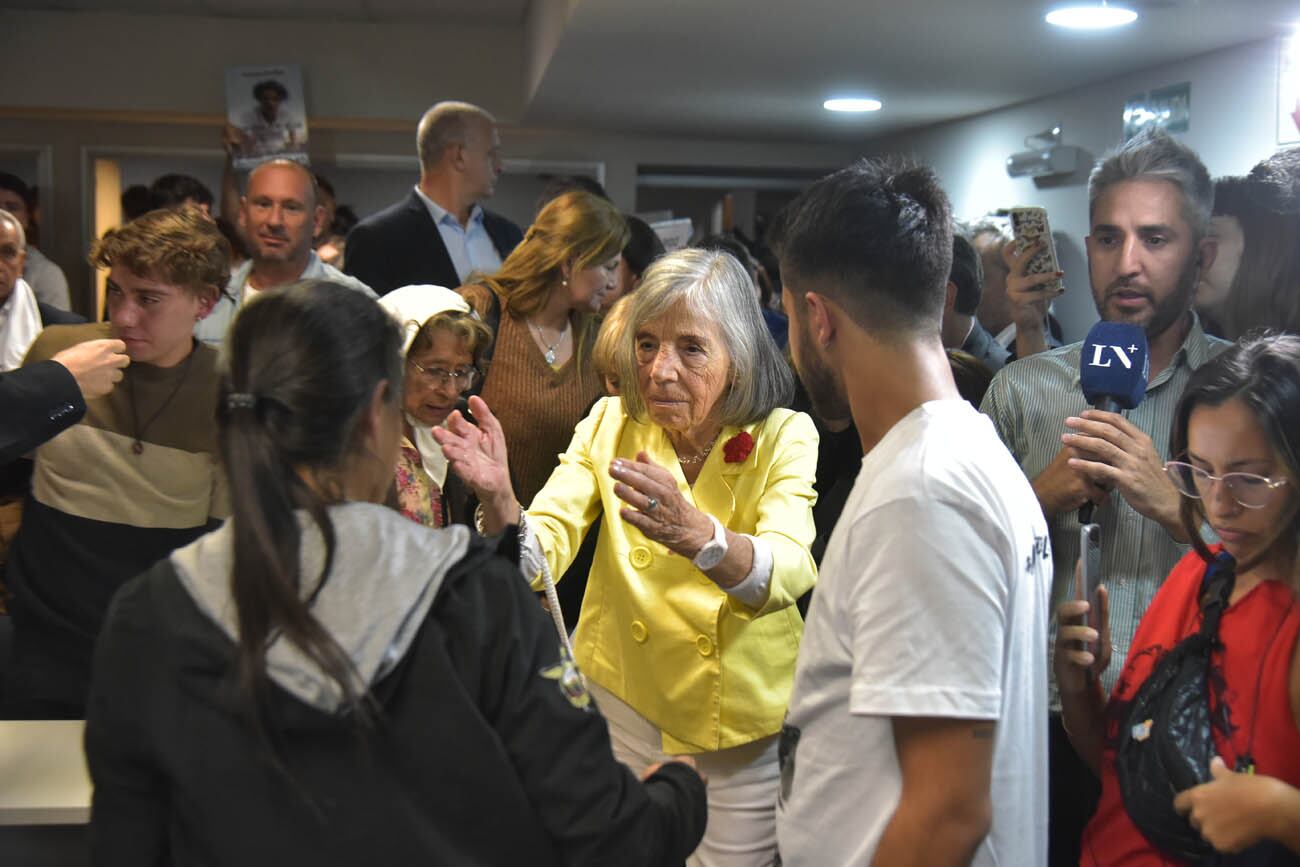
[538,406]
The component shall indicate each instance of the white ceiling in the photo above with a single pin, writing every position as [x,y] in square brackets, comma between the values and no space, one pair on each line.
[739,68]
[494,12]
[750,69]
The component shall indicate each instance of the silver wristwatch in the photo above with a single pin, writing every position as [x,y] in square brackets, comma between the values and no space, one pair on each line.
[714,550]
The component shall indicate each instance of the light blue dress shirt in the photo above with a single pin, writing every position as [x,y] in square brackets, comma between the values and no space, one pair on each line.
[470,247]
[212,329]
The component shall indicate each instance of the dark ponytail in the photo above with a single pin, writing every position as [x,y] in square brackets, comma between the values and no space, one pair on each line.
[303,363]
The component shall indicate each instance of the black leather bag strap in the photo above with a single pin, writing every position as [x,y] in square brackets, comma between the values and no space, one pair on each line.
[1216,590]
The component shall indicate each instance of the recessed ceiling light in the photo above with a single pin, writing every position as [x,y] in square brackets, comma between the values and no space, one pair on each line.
[1091,16]
[852,104]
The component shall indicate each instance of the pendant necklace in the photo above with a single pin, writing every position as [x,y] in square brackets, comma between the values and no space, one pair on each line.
[137,446]
[549,355]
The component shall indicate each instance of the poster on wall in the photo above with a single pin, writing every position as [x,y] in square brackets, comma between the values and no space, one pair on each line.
[265,105]
[1288,93]
[674,234]
[1168,108]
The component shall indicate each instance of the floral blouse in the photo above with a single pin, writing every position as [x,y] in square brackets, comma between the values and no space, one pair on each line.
[418,498]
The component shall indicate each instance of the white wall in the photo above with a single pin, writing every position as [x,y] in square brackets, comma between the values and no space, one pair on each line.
[1232,127]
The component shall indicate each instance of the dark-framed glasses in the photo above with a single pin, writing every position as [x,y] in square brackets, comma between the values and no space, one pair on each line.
[462,377]
[1250,490]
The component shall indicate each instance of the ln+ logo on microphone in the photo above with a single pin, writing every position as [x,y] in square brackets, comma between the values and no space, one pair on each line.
[1125,356]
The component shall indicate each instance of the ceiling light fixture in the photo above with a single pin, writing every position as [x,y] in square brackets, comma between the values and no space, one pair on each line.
[1091,16]
[852,104]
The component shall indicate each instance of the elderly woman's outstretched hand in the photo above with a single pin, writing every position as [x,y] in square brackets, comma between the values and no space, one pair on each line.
[477,453]
[658,509]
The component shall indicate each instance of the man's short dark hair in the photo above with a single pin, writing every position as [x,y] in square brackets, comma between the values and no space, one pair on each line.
[876,238]
[323,185]
[968,273]
[18,187]
[558,186]
[267,86]
[136,201]
[174,190]
[643,245]
[345,220]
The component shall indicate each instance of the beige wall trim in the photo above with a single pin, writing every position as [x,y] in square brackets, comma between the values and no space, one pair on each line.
[180,118]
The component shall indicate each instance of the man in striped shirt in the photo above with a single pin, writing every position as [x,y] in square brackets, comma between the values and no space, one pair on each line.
[138,476]
[1149,210]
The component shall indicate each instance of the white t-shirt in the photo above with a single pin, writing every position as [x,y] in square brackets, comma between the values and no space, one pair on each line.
[932,601]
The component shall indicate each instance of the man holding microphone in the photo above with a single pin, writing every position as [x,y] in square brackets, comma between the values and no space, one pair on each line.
[1149,206]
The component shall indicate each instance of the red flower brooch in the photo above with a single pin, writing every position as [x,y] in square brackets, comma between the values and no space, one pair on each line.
[736,449]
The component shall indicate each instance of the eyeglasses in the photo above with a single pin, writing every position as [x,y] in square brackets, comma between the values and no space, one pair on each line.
[1251,491]
[463,378]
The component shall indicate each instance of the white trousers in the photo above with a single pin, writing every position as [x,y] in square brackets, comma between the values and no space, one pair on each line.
[743,784]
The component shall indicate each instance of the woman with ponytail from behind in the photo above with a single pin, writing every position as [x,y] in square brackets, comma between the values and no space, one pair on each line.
[323,681]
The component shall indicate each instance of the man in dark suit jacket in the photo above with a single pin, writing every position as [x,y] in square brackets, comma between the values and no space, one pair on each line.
[439,233]
[40,401]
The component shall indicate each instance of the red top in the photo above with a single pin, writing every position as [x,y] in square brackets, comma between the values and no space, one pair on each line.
[1258,633]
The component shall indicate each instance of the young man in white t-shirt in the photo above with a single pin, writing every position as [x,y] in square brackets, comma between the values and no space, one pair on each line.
[915,734]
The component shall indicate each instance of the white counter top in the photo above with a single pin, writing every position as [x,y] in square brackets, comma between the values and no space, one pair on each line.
[43,776]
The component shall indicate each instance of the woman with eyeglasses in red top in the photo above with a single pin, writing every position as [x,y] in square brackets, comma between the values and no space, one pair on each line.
[1237,438]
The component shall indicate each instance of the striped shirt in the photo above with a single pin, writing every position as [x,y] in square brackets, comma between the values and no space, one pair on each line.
[101,511]
[1029,401]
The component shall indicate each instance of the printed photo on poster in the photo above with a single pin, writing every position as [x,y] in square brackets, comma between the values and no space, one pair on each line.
[265,104]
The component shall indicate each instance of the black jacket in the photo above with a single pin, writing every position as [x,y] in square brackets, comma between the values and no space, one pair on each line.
[476,757]
[38,403]
[400,246]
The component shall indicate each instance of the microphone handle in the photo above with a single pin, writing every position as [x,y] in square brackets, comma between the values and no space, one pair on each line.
[1105,404]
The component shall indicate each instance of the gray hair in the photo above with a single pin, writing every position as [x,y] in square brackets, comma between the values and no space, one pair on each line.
[1154,154]
[714,285]
[444,125]
[6,217]
[973,231]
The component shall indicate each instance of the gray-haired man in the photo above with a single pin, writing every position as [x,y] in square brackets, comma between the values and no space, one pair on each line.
[440,233]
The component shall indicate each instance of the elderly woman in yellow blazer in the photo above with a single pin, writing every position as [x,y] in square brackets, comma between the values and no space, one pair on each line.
[688,632]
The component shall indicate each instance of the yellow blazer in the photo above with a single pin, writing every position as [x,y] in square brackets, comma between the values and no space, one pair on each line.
[710,672]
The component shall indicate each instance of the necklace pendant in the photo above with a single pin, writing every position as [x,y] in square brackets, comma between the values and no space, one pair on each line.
[550,356]
[137,447]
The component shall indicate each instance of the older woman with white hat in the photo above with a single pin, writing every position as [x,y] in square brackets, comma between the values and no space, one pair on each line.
[443,344]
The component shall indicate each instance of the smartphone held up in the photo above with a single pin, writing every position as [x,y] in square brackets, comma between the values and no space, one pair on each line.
[1030,226]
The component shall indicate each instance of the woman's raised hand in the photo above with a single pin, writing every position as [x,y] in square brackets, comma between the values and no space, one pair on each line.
[477,453]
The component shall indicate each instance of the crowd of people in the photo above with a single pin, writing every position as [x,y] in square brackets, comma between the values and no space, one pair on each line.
[482,545]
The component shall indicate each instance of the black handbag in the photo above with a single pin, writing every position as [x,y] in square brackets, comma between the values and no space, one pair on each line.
[1166,738]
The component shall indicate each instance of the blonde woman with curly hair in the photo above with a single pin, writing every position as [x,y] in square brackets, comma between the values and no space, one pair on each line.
[542,305]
